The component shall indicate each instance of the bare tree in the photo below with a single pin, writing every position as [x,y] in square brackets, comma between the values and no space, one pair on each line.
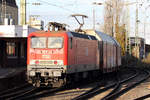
[113,21]
[112,16]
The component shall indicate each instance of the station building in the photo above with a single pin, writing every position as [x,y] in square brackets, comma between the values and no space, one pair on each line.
[13,37]
[8,11]
[13,45]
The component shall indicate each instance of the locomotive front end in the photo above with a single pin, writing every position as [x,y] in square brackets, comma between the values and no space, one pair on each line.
[47,59]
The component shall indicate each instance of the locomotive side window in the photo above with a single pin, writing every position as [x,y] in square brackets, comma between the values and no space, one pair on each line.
[38,42]
[55,42]
[70,43]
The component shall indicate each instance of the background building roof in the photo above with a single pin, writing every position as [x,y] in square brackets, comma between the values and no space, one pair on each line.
[10,2]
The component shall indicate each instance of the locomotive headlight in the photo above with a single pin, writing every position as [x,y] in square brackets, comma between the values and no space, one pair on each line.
[32,73]
[55,62]
[32,62]
[60,62]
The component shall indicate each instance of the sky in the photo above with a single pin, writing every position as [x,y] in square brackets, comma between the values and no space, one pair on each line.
[60,11]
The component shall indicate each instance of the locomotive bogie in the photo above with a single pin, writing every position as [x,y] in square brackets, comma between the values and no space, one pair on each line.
[47,81]
[47,77]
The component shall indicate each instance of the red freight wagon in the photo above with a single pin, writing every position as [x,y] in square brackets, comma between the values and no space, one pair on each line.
[111,51]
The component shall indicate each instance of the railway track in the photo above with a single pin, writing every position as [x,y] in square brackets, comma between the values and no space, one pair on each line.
[42,93]
[51,91]
[97,90]
[118,85]
[124,90]
[26,92]
[16,92]
[116,90]
[13,89]
[143,97]
[23,93]
[86,93]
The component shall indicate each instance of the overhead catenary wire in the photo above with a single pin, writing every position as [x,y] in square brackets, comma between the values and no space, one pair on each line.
[51,4]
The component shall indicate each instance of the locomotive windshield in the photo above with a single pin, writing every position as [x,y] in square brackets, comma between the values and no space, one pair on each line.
[38,42]
[55,42]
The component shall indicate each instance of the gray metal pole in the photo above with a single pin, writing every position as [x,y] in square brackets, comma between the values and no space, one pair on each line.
[93,19]
[136,31]
[144,31]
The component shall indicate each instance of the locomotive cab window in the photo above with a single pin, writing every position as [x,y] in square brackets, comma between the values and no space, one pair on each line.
[38,42]
[55,42]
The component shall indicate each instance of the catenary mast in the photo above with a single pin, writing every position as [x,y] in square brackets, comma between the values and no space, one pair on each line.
[23,12]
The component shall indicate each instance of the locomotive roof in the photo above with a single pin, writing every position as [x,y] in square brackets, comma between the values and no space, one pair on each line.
[85,36]
[72,34]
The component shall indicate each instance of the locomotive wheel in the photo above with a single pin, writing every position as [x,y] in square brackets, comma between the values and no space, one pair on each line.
[59,83]
[37,84]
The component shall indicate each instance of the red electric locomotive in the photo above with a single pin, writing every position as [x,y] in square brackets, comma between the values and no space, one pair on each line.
[55,58]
